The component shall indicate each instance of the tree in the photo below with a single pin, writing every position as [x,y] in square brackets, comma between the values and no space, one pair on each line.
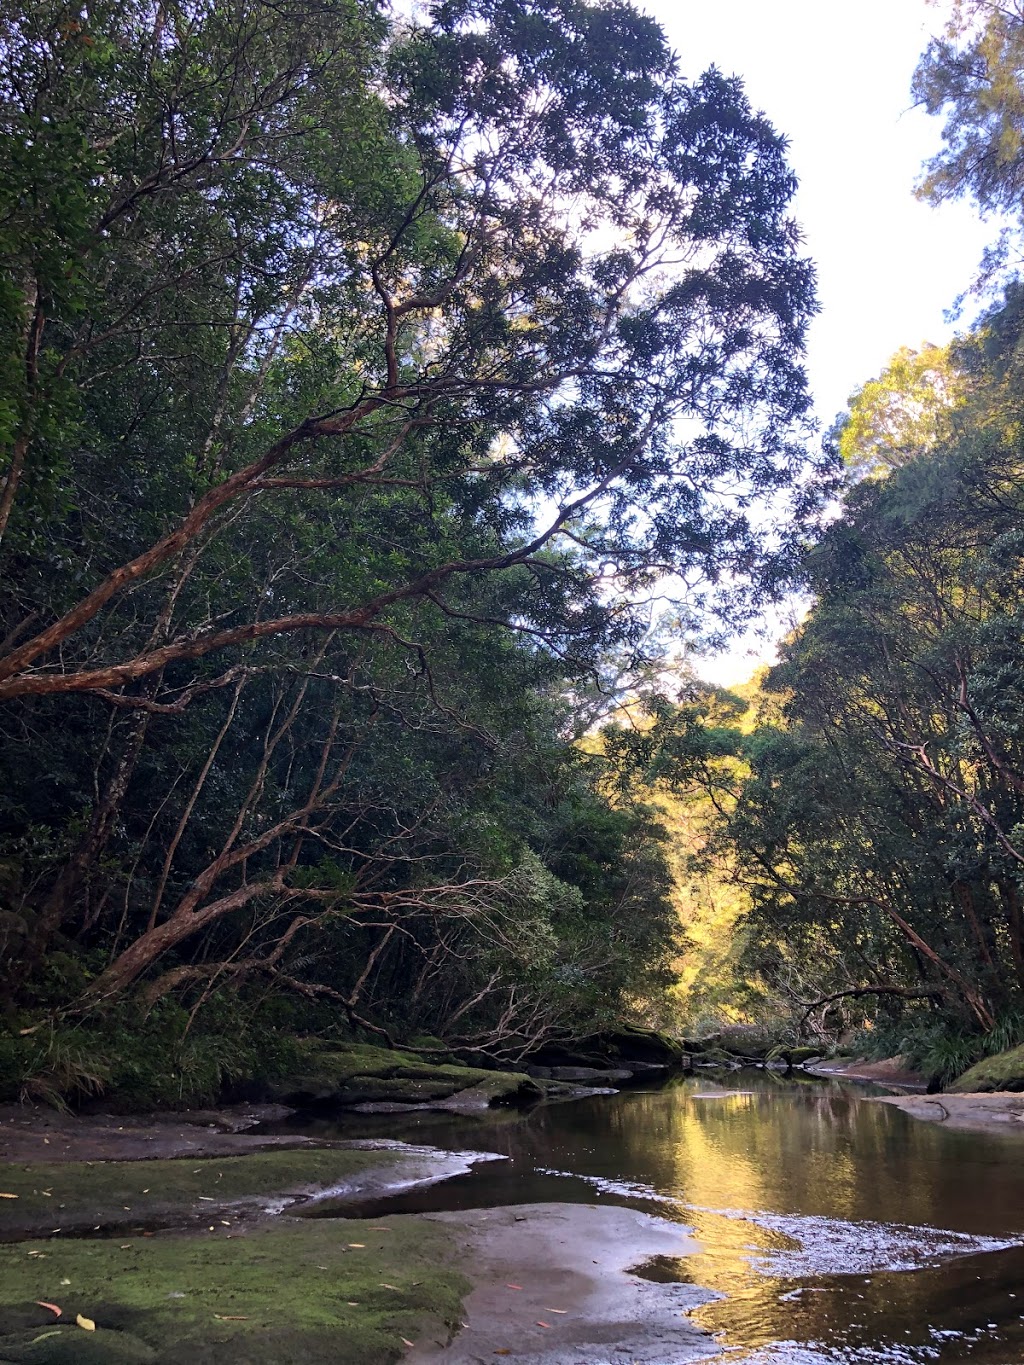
[972,75]
[901,414]
[412,358]
[535,290]
[885,812]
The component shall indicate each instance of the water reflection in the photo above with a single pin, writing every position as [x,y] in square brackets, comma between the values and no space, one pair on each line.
[809,1201]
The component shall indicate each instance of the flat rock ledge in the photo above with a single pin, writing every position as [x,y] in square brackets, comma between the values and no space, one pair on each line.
[981,1110]
[556,1284]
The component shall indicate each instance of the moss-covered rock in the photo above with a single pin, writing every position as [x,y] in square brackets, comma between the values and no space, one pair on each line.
[793,1056]
[1004,1071]
[359,1074]
[291,1293]
[716,1056]
[80,1195]
[628,1047]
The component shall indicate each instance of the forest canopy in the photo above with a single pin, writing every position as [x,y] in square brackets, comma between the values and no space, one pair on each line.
[364,383]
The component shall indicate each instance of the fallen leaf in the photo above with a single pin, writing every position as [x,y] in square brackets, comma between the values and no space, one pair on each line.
[65,1281]
[556,1310]
[207,1199]
[543,1324]
[86,1324]
[5,1195]
[358,1245]
[406,1342]
[513,1286]
[502,1351]
[384,1285]
[352,1303]
[51,1306]
[230,1317]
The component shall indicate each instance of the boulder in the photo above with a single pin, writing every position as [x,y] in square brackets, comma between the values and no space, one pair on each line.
[358,1075]
[793,1056]
[1004,1071]
[628,1047]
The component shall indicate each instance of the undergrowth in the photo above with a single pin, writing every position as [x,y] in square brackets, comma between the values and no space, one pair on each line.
[161,1059]
[939,1048]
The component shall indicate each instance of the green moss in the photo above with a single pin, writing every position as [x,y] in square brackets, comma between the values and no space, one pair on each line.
[295,1291]
[358,1073]
[80,1195]
[1004,1071]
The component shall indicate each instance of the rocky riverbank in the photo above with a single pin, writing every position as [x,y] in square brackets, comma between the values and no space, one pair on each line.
[183,1238]
[982,1111]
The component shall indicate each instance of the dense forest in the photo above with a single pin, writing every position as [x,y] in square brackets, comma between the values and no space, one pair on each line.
[389,408]
[869,810]
[364,380]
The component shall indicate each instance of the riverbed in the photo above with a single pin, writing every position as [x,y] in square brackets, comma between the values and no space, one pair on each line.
[825,1228]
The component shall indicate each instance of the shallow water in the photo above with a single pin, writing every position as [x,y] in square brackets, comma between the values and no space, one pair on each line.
[835,1230]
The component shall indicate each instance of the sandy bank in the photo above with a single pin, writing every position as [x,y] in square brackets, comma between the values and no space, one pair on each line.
[551,1286]
[999,1110]
[889,1071]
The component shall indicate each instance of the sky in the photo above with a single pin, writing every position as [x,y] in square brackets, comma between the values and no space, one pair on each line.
[834,78]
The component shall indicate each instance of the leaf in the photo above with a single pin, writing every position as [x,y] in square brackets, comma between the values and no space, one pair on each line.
[86,1324]
[406,1342]
[358,1245]
[51,1306]
[230,1317]
[556,1310]
[543,1324]
[513,1286]
[5,1195]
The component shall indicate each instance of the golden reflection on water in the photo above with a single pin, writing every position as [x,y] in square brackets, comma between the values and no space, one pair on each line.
[830,1154]
[808,1151]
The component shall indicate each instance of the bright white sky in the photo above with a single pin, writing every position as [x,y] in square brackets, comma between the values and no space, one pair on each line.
[834,78]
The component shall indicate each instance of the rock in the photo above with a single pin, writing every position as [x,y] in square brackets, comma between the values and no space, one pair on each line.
[717,1057]
[62,1344]
[359,1075]
[980,1111]
[627,1047]
[589,1073]
[1004,1071]
[793,1056]
[892,1071]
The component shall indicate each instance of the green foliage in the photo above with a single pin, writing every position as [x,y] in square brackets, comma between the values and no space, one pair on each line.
[878,828]
[322,420]
[164,1059]
[902,414]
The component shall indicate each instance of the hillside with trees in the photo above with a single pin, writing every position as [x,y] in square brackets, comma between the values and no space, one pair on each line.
[872,811]
[366,384]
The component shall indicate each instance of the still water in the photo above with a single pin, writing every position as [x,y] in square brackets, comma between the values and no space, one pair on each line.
[834,1229]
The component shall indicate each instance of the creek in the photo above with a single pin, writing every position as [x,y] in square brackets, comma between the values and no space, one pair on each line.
[832,1229]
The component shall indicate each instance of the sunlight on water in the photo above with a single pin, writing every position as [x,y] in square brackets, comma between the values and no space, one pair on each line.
[832,1229]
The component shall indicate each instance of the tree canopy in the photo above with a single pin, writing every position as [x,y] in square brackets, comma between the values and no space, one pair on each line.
[364,383]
